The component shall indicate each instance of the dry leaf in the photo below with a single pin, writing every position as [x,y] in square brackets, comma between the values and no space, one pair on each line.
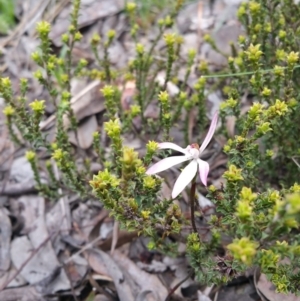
[121,281]
[84,133]
[127,95]
[43,268]
[144,280]
[83,104]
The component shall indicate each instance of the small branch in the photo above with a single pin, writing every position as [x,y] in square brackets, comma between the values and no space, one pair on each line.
[171,292]
[86,247]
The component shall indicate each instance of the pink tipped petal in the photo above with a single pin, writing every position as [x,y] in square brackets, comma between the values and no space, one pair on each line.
[210,132]
[203,171]
[166,145]
[185,178]
[165,164]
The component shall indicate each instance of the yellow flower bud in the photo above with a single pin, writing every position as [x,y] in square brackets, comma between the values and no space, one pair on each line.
[169,39]
[243,249]
[8,111]
[149,182]
[95,39]
[30,156]
[163,97]
[58,154]
[247,194]
[233,174]
[243,210]
[38,106]
[113,128]
[140,49]
[77,36]
[43,28]
[130,7]
[152,146]
[145,214]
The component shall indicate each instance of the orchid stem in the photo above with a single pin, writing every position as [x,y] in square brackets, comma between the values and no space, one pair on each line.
[192,201]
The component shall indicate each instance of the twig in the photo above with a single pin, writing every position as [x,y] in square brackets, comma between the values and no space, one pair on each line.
[86,247]
[296,162]
[171,292]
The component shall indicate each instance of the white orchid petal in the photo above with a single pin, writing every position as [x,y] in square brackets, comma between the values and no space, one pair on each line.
[170,145]
[184,178]
[203,171]
[166,163]
[210,132]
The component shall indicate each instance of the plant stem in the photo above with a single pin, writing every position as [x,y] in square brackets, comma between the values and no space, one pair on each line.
[192,203]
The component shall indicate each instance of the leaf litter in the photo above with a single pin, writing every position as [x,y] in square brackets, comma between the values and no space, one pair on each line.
[54,251]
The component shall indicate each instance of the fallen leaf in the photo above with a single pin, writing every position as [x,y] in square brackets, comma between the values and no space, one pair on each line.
[14,189]
[142,296]
[128,93]
[84,133]
[21,170]
[187,18]
[76,269]
[43,269]
[84,103]
[146,281]
[155,266]
[121,280]
[88,14]
[5,237]
[202,297]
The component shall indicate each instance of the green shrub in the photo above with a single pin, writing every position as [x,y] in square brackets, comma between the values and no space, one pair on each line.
[259,205]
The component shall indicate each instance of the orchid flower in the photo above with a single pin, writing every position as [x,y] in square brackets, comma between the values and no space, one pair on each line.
[191,152]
